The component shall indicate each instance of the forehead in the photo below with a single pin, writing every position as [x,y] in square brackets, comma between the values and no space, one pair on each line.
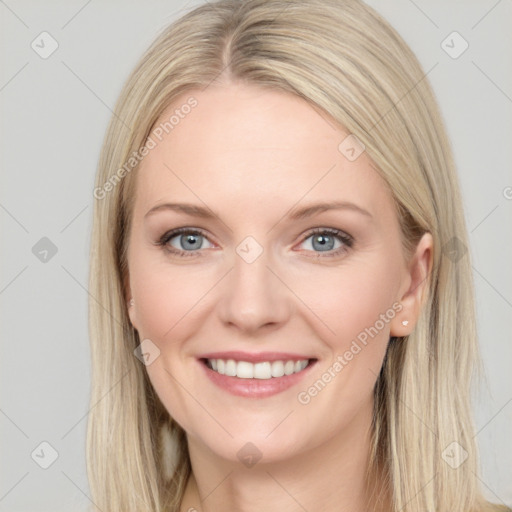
[244,144]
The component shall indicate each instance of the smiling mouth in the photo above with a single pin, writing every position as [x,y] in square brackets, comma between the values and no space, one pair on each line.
[263,370]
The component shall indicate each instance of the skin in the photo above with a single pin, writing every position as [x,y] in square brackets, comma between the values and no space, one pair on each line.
[253,156]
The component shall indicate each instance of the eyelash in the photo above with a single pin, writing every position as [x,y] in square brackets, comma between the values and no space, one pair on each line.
[346,239]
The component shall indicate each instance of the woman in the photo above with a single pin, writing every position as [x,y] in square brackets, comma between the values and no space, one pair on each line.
[279,274]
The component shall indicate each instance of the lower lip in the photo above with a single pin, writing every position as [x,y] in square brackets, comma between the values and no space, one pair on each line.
[255,388]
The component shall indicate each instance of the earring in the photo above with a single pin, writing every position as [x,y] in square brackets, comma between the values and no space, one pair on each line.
[405,322]
[131,303]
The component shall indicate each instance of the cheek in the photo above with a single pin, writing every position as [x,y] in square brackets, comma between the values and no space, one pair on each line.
[167,299]
[355,302]
[351,298]
[168,304]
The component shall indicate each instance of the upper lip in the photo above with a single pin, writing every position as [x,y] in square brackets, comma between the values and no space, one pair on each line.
[254,357]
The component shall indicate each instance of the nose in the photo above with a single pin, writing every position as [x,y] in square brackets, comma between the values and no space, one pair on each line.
[254,297]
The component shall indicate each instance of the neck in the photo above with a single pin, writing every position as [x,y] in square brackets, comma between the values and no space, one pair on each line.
[330,477]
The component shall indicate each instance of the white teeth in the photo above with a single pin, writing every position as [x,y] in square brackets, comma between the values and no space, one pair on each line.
[263,370]
[230,369]
[277,369]
[289,366]
[244,370]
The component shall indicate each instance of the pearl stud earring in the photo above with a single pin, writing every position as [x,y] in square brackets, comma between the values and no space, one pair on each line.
[405,322]
[131,303]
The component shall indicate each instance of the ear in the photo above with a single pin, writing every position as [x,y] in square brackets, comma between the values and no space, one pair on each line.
[128,297]
[415,287]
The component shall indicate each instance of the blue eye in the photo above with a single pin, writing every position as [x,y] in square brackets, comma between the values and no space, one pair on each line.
[325,239]
[188,242]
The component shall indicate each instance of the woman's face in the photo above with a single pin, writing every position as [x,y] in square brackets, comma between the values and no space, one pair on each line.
[262,271]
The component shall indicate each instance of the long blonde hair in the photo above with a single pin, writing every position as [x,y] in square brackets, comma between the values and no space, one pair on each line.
[342,57]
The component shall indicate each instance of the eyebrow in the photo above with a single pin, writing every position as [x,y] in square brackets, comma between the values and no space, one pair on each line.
[302,213]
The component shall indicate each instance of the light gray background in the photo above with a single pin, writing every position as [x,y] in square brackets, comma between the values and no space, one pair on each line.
[54,115]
